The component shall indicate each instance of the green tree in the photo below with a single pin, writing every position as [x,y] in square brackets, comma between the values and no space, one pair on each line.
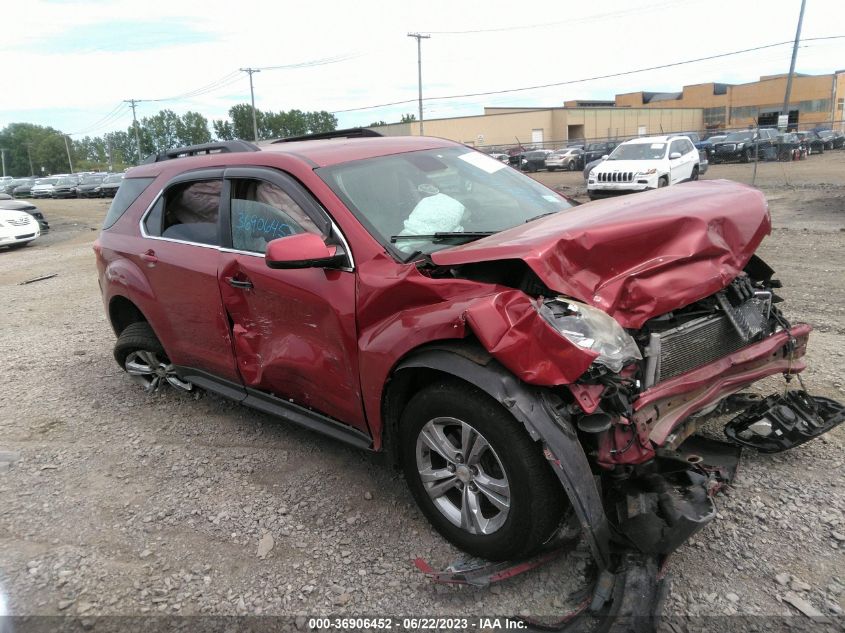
[162,131]
[193,129]
[241,117]
[45,145]
[407,118]
[377,123]
[223,130]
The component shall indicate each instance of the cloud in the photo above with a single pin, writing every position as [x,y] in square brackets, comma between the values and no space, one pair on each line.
[122,36]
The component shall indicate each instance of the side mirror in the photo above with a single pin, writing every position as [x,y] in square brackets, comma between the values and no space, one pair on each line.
[674,155]
[304,250]
[605,156]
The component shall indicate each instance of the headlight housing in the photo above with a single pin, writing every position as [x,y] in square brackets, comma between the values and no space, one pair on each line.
[647,172]
[590,328]
[739,145]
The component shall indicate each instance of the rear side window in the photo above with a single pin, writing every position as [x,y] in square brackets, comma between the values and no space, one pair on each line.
[191,211]
[128,192]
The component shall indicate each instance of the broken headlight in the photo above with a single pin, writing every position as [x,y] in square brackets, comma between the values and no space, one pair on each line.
[590,328]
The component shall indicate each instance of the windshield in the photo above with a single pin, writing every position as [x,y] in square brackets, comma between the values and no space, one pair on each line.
[596,147]
[66,181]
[114,178]
[46,181]
[456,194]
[639,151]
[715,139]
[92,180]
[736,137]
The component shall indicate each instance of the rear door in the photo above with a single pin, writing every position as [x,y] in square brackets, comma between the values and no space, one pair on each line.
[180,257]
[294,331]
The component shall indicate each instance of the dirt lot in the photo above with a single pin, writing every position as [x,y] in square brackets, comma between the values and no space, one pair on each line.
[117,502]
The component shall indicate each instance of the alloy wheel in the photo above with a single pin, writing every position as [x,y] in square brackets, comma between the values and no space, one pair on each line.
[462,475]
[151,371]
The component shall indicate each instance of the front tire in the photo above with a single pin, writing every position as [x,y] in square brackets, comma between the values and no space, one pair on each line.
[694,174]
[476,474]
[663,181]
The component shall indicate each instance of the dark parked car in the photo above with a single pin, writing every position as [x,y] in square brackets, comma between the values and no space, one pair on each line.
[707,144]
[90,186]
[24,188]
[110,184]
[65,187]
[596,150]
[27,207]
[812,141]
[534,160]
[744,146]
[831,139]
[524,361]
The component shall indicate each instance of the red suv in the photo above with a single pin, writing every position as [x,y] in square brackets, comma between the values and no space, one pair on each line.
[524,359]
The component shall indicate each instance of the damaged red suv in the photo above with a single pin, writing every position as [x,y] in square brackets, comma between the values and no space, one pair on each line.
[524,359]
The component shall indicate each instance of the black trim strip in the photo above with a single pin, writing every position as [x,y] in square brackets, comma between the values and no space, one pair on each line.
[278,407]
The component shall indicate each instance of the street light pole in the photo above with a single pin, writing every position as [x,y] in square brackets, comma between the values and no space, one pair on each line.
[67,148]
[132,103]
[792,64]
[250,72]
[419,37]
[3,154]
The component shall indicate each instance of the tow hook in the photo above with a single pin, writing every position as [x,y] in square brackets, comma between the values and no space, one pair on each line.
[783,421]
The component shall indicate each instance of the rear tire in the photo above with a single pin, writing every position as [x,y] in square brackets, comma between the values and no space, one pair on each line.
[499,502]
[141,355]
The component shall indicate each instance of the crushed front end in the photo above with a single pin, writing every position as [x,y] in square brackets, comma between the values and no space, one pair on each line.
[647,392]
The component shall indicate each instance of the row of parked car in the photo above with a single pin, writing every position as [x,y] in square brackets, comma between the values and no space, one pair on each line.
[84,185]
[742,146]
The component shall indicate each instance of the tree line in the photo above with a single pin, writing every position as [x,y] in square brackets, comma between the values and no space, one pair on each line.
[40,150]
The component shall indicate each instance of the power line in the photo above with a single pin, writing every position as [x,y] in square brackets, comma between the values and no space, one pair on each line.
[586,79]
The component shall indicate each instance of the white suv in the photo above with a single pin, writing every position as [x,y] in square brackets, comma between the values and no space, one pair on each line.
[645,163]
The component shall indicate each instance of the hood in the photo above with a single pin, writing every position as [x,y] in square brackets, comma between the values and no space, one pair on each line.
[636,256]
[8,215]
[627,165]
[16,205]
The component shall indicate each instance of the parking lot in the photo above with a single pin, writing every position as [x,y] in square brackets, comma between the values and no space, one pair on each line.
[119,502]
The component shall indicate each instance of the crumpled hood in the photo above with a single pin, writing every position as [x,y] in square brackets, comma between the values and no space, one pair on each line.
[637,256]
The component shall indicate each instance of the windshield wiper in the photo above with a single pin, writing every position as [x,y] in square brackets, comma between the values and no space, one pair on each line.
[542,215]
[469,236]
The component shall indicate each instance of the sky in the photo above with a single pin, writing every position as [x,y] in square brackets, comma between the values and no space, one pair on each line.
[70,64]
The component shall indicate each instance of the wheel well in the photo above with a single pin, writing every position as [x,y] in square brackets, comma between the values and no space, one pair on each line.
[405,382]
[123,313]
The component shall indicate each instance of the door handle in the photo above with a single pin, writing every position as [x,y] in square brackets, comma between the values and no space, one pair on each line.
[239,283]
[149,256]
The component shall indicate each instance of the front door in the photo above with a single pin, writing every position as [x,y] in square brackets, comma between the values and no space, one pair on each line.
[294,331]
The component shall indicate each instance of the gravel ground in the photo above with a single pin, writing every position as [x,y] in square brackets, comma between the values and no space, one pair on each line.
[117,502]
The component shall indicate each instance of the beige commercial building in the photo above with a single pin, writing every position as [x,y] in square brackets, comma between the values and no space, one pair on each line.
[814,100]
[552,127]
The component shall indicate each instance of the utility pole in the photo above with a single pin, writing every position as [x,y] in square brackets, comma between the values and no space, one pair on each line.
[419,37]
[108,150]
[3,154]
[250,72]
[132,103]
[29,153]
[792,64]
[67,148]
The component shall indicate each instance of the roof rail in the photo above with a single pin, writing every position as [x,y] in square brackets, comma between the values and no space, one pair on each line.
[353,132]
[219,147]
